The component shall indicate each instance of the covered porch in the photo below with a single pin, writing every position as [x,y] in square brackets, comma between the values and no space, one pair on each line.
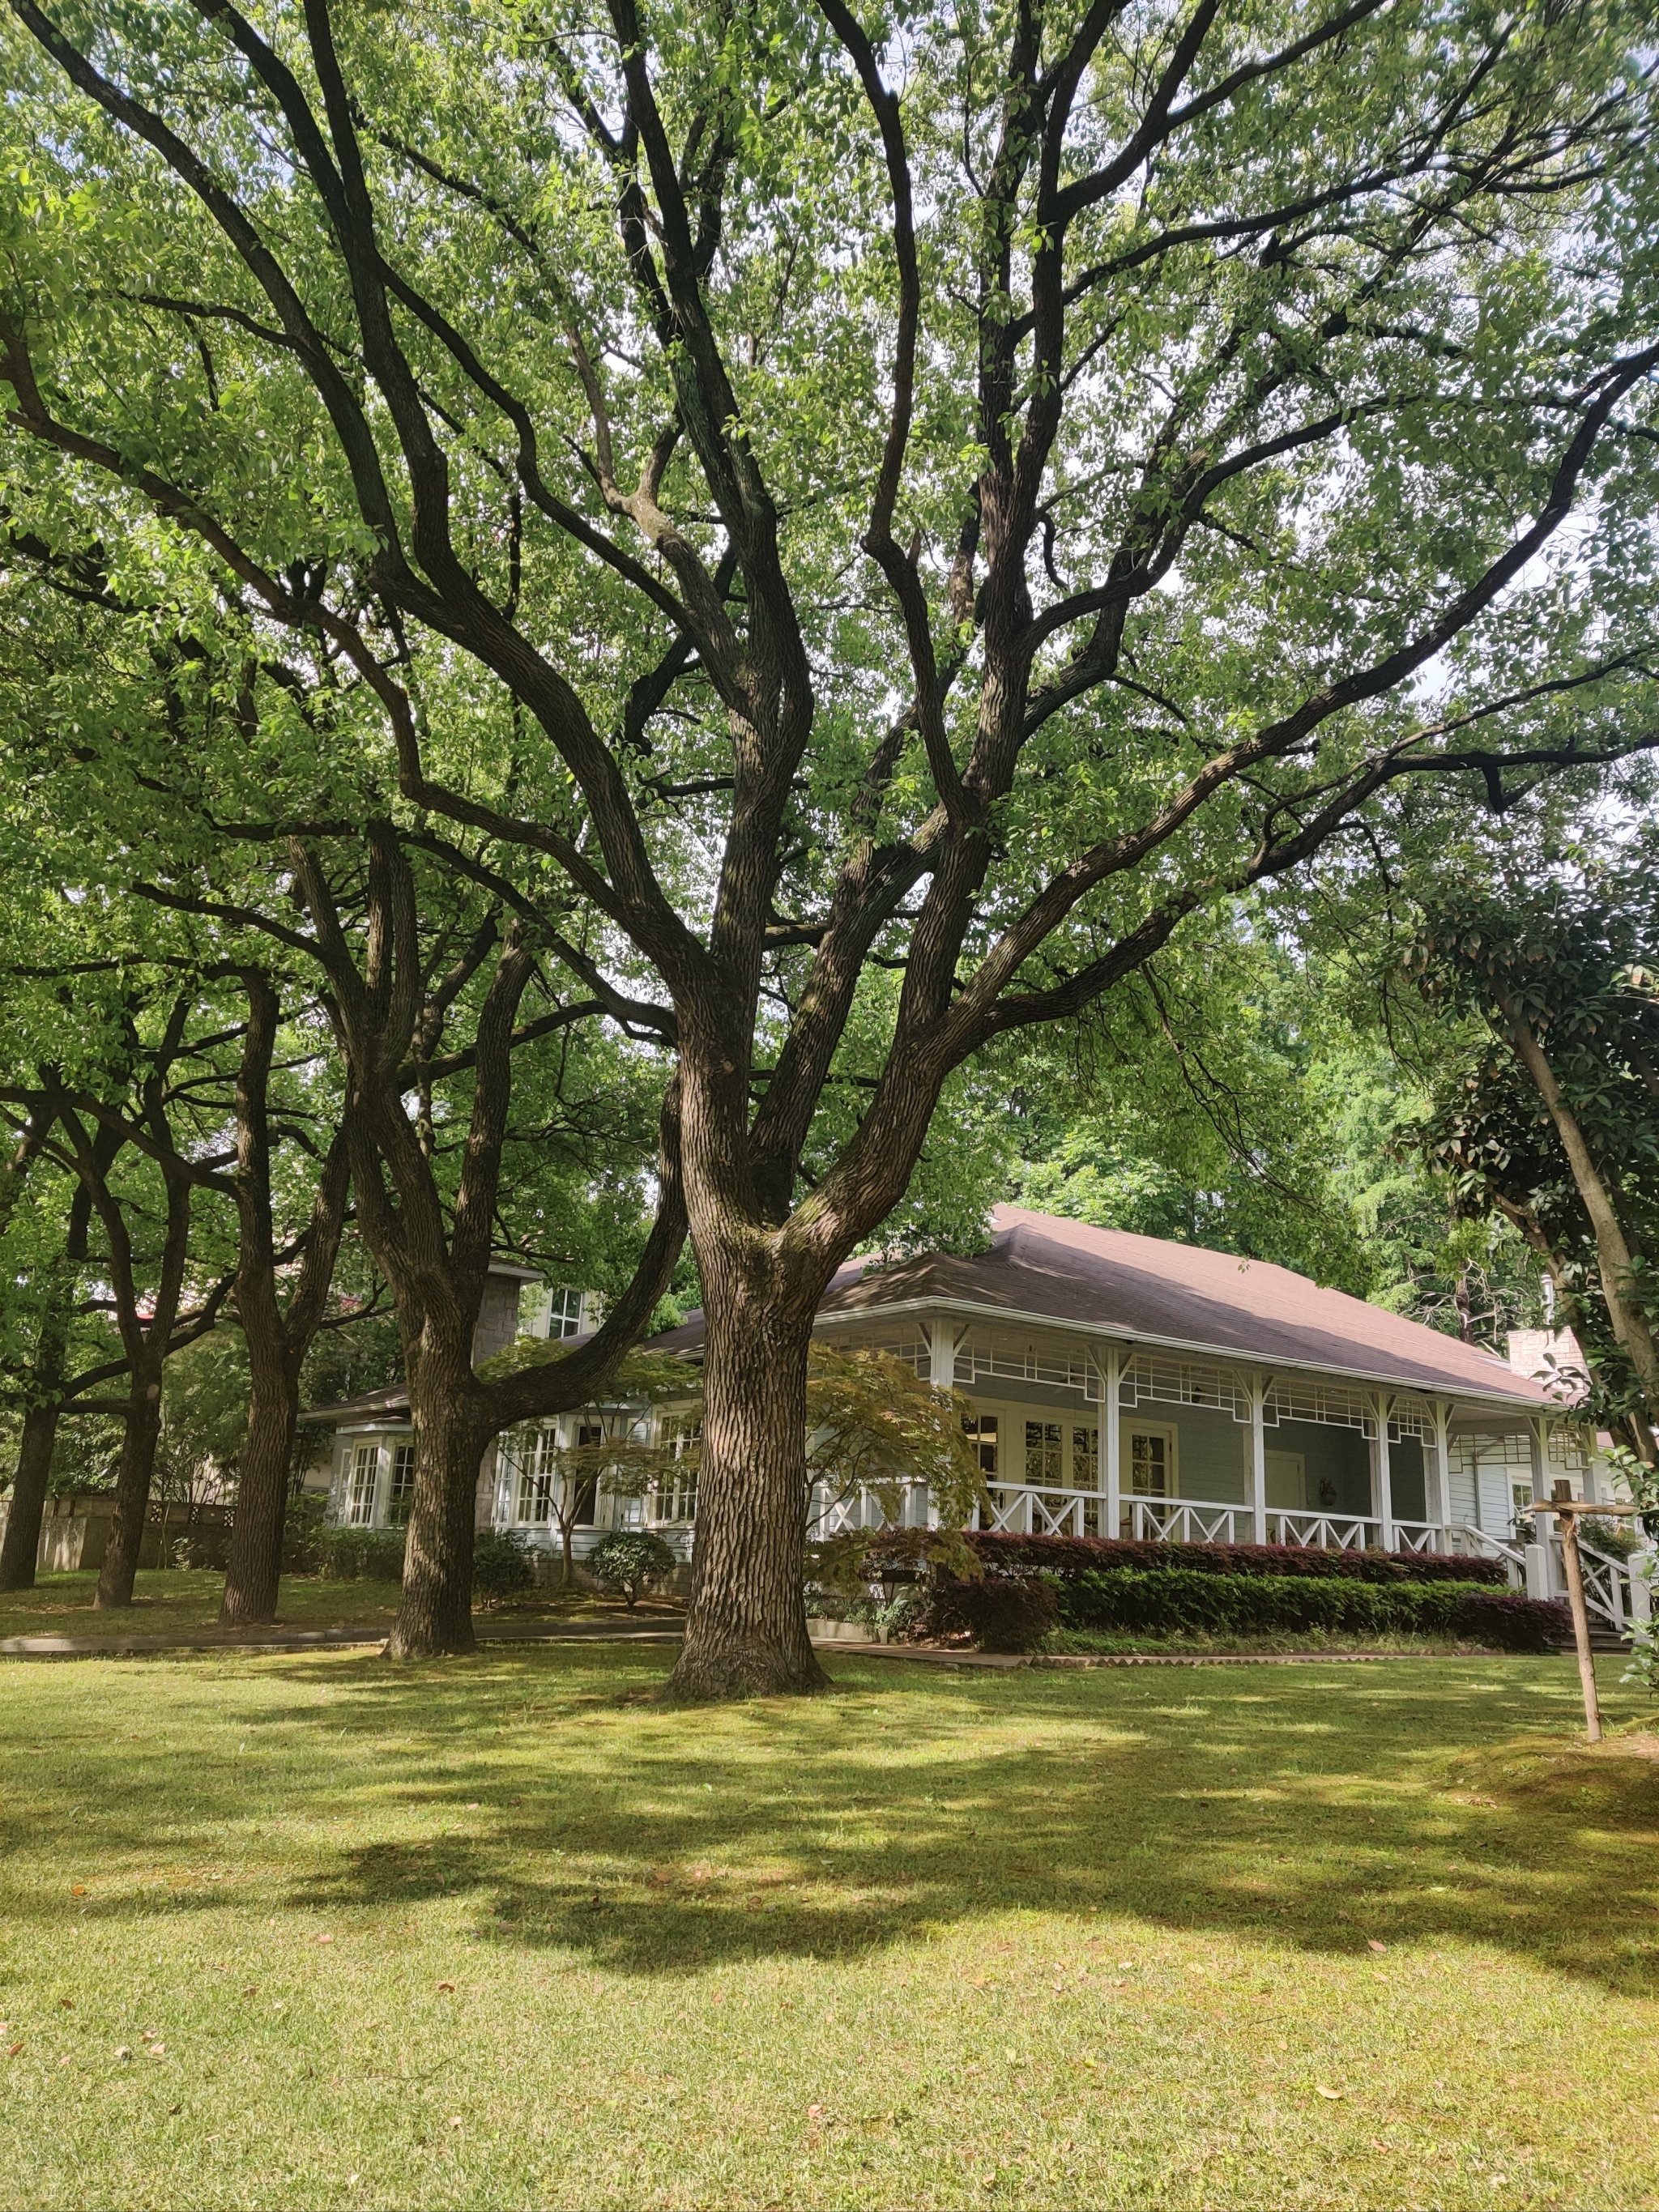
[1087,1436]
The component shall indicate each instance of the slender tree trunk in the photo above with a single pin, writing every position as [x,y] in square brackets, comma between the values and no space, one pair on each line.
[1615,1262]
[451,1432]
[21,1547]
[746,1630]
[254,1569]
[133,1487]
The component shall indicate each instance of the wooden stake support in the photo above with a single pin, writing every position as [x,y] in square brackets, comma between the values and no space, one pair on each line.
[1568,1508]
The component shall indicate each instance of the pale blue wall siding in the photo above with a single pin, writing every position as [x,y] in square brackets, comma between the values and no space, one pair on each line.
[1406,1480]
[1340,1456]
[1209,1450]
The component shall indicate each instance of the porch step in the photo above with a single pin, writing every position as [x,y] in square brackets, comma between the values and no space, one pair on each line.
[1601,1638]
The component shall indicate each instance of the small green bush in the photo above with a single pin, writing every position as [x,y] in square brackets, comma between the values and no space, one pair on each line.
[630,1560]
[302,1523]
[1166,1601]
[501,1563]
[1002,1612]
[360,1555]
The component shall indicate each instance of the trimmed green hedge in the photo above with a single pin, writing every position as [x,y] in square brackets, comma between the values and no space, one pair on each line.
[1164,1601]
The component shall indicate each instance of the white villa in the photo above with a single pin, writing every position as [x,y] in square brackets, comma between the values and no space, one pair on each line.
[1119,1385]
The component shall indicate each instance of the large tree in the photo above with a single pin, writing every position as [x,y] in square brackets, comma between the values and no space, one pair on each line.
[928,499]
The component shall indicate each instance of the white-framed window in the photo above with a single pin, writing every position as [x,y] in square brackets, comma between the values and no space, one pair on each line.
[362,1466]
[1061,1456]
[674,1496]
[536,1459]
[564,1314]
[1149,1458]
[983,1432]
[400,1490]
[1520,1501]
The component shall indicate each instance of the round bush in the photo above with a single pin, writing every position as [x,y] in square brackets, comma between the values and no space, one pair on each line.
[1002,1612]
[501,1563]
[630,1560]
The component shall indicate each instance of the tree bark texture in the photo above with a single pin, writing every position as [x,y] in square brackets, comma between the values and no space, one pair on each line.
[747,1633]
[21,1547]
[452,1431]
[254,1567]
[1615,1262]
[132,1486]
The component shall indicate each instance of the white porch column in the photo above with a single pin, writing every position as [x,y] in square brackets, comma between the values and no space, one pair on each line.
[1440,1463]
[1258,1448]
[1381,1484]
[382,1483]
[943,1337]
[942,1354]
[1543,1579]
[1111,1442]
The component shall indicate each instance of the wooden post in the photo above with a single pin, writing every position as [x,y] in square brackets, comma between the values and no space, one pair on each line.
[1574,1575]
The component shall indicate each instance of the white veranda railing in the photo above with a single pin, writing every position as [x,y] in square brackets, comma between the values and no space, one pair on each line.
[1188,1520]
[1327,1532]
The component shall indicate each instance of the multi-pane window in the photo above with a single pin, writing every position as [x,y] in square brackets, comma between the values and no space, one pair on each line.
[1149,1462]
[1061,1456]
[1044,1460]
[564,1316]
[357,1496]
[1520,1501]
[981,1430]
[537,1479]
[400,1490]
[674,1496]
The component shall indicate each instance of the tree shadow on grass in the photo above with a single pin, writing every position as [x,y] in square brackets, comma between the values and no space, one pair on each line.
[1314,1807]
[1325,1810]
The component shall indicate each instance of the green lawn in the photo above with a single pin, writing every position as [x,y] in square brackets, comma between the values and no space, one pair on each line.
[184,1600]
[507,1932]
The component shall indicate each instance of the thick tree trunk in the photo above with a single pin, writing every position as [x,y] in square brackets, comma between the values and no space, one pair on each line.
[435,1614]
[20,1547]
[253,1572]
[746,1632]
[132,1485]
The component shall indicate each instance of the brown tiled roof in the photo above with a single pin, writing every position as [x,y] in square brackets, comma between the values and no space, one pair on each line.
[1144,1289]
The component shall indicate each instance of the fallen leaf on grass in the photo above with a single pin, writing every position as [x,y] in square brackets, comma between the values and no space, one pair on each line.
[455,2120]
[1371,1944]
[13,2051]
[123,2050]
[324,1939]
[446,1985]
[79,1889]
[1335,2095]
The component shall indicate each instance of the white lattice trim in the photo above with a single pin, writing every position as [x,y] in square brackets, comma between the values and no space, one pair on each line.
[1012,1360]
[1299,1398]
[1151,1381]
[1410,1416]
[913,1350]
